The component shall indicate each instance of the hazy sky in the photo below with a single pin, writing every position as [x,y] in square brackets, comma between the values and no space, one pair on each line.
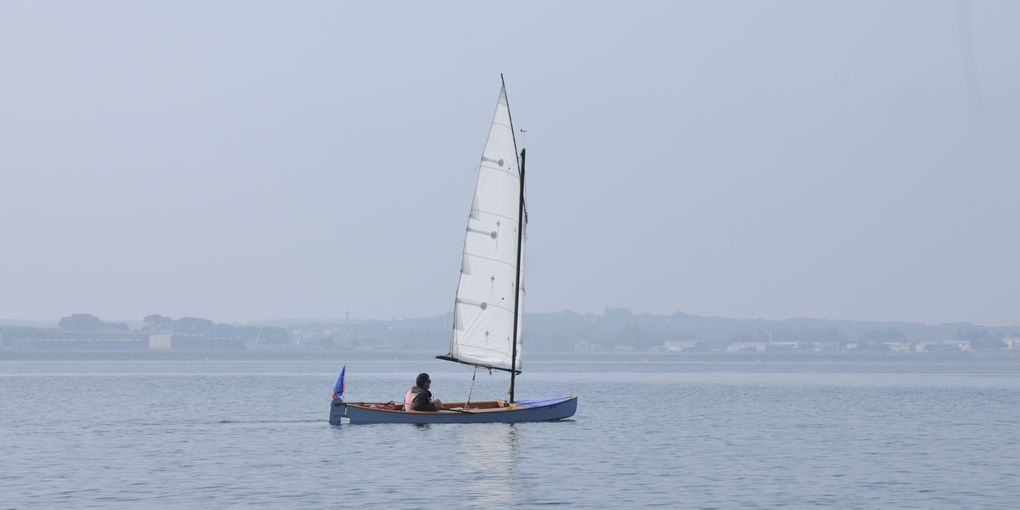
[253,160]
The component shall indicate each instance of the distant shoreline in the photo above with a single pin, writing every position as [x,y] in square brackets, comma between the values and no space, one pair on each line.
[533,356]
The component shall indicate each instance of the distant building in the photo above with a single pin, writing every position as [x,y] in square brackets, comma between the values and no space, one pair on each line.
[829,346]
[944,346]
[783,346]
[898,346]
[585,346]
[679,345]
[186,342]
[53,340]
[746,347]
[161,342]
[763,346]
[1012,342]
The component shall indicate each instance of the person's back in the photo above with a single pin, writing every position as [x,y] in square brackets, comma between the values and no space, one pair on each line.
[419,398]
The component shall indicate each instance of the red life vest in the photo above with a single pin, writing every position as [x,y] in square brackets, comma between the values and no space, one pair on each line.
[409,399]
[425,401]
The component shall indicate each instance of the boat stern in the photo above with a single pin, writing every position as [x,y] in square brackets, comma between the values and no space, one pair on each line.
[337,410]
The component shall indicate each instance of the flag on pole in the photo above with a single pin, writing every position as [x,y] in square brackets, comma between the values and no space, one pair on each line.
[338,388]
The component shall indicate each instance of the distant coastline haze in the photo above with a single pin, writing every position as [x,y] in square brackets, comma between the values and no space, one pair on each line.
[246,161]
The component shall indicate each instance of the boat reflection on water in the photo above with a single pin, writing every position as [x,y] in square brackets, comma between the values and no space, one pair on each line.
[489,454]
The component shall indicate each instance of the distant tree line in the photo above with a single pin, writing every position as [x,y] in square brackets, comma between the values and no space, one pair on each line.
[615,328]
[196,329]
[197,326]
[87,322]
[619,327]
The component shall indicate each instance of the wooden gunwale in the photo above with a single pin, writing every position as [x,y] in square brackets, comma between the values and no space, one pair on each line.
[489,406]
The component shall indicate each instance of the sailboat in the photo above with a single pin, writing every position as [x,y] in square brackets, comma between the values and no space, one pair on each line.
[487,325]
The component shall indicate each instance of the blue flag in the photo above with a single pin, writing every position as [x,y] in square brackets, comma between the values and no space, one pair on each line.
[338,388]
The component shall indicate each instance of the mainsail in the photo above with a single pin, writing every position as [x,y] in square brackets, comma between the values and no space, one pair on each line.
[484,310]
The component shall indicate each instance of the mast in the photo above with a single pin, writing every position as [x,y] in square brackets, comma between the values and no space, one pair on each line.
[517,285]
[520,237]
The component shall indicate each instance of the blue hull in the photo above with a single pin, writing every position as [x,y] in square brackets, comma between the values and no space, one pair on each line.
[556,408]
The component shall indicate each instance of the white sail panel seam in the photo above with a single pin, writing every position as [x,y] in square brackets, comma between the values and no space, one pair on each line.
[506,170]
[487,304]
[487,349]
[507,218]
[490,259]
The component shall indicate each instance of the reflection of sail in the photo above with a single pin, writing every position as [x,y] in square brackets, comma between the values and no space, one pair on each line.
[489,452]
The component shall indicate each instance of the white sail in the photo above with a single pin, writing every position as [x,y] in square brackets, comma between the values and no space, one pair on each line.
[483,323]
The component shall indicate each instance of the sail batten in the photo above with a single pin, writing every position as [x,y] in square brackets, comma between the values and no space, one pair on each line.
[484,308]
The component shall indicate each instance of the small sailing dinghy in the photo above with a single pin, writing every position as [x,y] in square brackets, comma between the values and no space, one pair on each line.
[487,311]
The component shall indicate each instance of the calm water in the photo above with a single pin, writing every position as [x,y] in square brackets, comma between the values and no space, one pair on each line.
[679,433]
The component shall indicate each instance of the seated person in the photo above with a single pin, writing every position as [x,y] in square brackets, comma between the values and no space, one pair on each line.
[419,398]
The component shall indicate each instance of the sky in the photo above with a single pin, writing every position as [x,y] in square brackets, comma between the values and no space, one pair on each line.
[248,161]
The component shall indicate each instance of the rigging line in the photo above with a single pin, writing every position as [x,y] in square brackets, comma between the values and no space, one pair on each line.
[472,388]
[509,116]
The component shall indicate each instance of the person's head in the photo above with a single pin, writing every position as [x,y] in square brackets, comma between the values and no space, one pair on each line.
[423,381]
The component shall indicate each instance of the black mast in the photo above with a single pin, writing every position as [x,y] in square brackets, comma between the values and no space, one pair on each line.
[520,237]
[517,285]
